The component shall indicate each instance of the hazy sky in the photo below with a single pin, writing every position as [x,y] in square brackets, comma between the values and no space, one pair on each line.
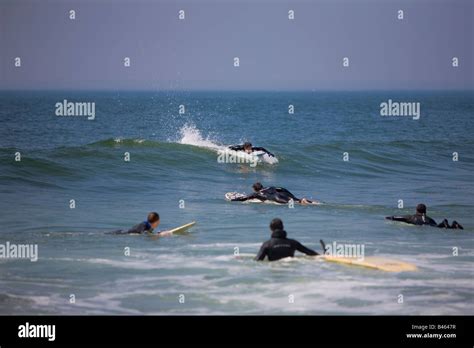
[275,52]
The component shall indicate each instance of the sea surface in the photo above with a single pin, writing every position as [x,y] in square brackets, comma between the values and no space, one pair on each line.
[173,160]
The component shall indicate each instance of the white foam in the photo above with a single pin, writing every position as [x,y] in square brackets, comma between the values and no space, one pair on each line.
[190,135]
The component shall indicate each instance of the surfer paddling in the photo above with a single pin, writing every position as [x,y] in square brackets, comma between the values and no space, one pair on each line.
[276,194]
[420,218]
[147,226]
[249,149]
[279,247]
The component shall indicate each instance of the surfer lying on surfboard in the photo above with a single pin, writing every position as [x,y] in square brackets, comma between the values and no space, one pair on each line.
[279,247]
[147,226]
[276,194]
[248,148]
[150,224]
[420,218]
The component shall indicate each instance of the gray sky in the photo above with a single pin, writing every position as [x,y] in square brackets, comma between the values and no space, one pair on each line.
[275,53]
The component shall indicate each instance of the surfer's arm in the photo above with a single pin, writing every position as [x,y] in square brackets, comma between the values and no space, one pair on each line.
[398,218]
[236,147]
[264,150]
[241,199]
[246,198]
[262,253]
[302,249]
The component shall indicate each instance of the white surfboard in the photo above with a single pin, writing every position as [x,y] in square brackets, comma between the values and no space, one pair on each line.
[177,230]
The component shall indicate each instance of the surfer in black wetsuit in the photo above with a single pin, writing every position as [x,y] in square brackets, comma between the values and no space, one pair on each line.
[420,218]
[248,148]
[279,247]
[275,194]
[147,226]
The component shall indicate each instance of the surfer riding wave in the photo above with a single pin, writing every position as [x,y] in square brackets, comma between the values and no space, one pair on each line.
[190,135]
[249,149]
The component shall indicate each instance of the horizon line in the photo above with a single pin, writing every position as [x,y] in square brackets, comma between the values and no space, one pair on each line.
[233,90]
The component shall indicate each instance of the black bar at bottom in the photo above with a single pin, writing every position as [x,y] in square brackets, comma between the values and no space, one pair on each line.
[224,330]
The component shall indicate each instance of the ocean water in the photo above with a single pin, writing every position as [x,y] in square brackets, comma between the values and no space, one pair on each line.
[173,157]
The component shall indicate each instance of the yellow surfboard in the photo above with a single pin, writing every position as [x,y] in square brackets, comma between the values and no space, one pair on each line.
[374,262]
[176,230]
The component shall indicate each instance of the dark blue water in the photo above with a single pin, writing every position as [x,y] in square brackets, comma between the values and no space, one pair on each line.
[173,157]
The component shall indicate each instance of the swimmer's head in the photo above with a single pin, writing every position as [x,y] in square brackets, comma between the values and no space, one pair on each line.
[421,208]
[276,225]
[153,219]
[257,186]
[248,147]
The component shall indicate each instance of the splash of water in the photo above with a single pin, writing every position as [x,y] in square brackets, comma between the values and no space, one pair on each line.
[190,135]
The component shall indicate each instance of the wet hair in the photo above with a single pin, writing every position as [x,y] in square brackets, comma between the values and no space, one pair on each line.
[257,186]
[421,208]
[153,217]
[276,224]
[247,144]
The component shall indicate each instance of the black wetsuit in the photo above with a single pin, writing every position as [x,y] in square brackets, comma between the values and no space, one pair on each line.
[137,229]
[422,219]
[276,194]
[241,148]
[279,247]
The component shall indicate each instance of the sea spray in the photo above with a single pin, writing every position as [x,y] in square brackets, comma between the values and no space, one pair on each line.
[190,135]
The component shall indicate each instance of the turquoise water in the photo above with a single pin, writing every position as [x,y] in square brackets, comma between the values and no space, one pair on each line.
[173,158]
